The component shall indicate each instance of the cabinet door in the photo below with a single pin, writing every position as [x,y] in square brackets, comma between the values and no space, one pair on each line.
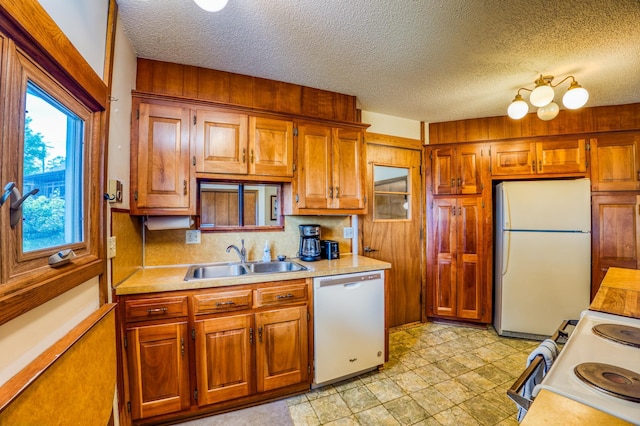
[223,358]
[158,369]
[160,164]
[348,178]
[615,162]
[615,235]
[314,167]
[221,142]
[270,147]
[443,171]
[565,156]
[468,180]
[469,275]
[444,257]
[512,158]
[282,348]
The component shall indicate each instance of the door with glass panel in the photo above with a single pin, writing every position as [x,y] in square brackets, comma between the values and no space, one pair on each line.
[391,230]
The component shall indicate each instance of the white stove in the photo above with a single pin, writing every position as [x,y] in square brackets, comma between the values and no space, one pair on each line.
[585,346]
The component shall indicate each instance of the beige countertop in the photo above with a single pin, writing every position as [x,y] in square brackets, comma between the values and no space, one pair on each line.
[169,278]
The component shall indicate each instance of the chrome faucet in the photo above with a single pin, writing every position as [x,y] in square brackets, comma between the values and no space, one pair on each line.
[242,253]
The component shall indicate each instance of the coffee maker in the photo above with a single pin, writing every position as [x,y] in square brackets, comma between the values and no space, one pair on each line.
[309,242]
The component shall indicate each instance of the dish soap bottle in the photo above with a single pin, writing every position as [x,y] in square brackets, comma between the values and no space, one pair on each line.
[266,255]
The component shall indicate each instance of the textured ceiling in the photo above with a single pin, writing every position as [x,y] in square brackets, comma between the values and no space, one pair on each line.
[425,60]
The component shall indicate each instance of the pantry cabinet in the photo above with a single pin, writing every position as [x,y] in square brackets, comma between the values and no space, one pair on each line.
[457,169]
[330,170]
[213,349]
[615,162]
[161,181]
[565,156]
[457,259]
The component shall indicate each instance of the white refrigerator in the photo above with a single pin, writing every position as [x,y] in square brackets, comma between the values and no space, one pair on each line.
[543,255]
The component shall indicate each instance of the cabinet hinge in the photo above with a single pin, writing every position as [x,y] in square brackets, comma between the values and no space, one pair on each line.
[489,151]
[308,369]
[195,394]
[365,200]
[294,167]
[137,114]
[308,316]
[128,406]
[135,195]
[483,204]
[297,198]
[431,156]
[193,334]
[295,131]
[420,169]
[126,342]
[194,120]
[587,146]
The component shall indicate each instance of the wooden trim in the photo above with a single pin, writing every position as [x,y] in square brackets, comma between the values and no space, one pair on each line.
[30,26]
[394,141]
[10,391]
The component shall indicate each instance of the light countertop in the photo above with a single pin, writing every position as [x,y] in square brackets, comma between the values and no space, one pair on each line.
[170,278]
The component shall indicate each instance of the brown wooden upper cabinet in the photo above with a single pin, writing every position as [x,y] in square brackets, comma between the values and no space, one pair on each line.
[330,169]
[160,162]
[235,143]
[615,162]
[456,170]
[565,156]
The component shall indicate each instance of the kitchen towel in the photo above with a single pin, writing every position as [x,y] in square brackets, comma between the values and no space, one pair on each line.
[549,351]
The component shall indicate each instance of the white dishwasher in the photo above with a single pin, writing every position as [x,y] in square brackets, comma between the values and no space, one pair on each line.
[348,325]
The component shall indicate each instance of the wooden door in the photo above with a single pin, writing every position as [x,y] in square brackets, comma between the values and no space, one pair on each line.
[314,167]
[470,259]
[348,168]
[270,147]
[158,363]
[444,254]
[615,162]
[221,142]
[160,164]
[282,355]
[615,234]
[397,241]
[468,169]
[513,158]
[561,156]
[224,358]
[443,169]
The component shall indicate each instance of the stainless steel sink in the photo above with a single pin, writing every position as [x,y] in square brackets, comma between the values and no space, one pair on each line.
[272,267]
[222,270]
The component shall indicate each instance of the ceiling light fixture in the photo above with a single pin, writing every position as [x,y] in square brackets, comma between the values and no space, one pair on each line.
[542,97]
[211,5]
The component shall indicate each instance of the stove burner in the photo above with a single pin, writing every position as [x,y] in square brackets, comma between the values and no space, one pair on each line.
[612,380]
[624,334]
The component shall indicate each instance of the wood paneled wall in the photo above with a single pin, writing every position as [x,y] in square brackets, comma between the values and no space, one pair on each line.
[219,86]
[586,120]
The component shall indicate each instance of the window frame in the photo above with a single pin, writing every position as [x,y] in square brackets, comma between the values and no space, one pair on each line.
[30,40]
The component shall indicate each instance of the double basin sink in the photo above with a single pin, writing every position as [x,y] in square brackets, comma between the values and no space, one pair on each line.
[222,270]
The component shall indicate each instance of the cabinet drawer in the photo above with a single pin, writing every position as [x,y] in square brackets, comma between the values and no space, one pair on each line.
[221,302]
[281,294]
[155,308]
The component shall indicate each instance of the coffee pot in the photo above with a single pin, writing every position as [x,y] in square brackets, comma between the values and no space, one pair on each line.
[309,242]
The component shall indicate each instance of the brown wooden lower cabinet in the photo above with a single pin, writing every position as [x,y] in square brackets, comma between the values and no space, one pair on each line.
[225,348]
[615,234]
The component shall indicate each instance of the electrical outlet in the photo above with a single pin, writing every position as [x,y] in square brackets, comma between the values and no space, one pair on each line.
[111,247]
[193,237]
[347,232]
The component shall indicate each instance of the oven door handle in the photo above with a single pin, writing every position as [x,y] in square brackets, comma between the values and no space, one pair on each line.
[514,391]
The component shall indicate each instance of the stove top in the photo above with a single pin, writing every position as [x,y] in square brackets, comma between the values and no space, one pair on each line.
[585,354]
[624,334]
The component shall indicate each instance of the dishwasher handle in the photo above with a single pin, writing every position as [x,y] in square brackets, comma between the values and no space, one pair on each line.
[350,279]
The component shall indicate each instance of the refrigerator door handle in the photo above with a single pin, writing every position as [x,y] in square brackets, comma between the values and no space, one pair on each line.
[506,240]
[506,214]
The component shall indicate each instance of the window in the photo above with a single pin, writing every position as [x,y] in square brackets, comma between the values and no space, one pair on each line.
[52,164]
[225,206]
[391,193]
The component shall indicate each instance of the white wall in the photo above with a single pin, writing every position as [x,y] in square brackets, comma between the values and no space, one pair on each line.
[32,333]
[390,125]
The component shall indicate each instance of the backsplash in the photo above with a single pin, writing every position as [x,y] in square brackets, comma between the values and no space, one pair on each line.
[169,247]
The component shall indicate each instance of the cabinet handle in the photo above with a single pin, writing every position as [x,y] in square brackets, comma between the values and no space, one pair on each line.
[540,165]
[331,192]
[184,187]
[260,334]
[251,157]
[157,311]
[454,210]
[284,296]
[459,182]
[230,302]
[460,211]
[251,335]
[337,196]
[244,155]
[453,182]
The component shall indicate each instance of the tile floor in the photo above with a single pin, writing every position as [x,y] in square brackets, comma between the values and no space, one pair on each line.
[436,375]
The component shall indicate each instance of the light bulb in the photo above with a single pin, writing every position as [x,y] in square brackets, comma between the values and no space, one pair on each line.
[518,108]
[548,112]
[575,97]
[541,95]
[211,5]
